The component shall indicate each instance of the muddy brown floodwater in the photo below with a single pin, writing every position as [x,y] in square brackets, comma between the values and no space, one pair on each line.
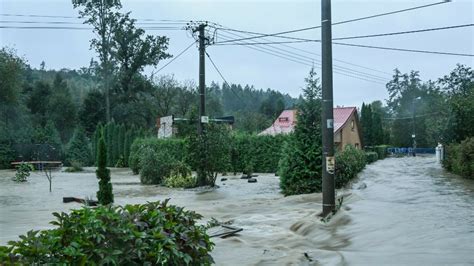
[402,211]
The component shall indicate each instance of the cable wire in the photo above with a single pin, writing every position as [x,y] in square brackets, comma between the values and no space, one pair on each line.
[176,57]
[402,49]
[302,40]
[310,64]
[344,22]
[312,61]
[220,74]
[312,53]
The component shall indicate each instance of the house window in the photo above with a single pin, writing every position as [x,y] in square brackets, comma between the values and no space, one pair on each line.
[352,125]
[283,119]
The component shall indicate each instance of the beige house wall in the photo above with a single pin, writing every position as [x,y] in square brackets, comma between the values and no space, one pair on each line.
[349,133]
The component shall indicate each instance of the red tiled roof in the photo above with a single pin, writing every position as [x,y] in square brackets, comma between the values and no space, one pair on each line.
[285,123]
[341,115]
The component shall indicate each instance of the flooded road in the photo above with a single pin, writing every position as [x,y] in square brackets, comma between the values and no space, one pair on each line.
[400,211]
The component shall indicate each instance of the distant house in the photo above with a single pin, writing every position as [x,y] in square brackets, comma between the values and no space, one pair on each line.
[346,126]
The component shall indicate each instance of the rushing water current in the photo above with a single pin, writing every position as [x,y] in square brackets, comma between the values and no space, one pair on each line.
[400,211]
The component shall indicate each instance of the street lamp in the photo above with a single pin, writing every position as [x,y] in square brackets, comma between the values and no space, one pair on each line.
[413,136]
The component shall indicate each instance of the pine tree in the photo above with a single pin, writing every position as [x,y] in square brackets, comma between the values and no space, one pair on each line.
[108,142]
[120,142]
[377,129]
[115,145]
[104,195]
[300,167]
[126,147]
[78,148]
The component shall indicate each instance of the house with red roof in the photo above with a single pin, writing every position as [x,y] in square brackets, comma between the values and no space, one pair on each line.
[346,126]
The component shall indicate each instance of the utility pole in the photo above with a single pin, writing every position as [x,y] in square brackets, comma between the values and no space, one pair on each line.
[413,136]
[202,77]
[329,198]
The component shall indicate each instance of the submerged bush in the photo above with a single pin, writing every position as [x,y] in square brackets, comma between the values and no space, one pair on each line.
[23,172]
[172,147]
[349,163]
[180,176]
[371,157]
[155,166]
[459,158]
[75,167]
[148,234]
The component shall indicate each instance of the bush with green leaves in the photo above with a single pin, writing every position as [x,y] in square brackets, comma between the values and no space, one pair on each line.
[155,233]
[459,158]
[155,166]
[23,172]
[172,147]
[180,176]
[209,153]
[256,153]
[381,151]
[75,167]
[371,157]
[349,163]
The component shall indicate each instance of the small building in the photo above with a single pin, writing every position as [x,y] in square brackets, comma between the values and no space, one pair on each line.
[346,126]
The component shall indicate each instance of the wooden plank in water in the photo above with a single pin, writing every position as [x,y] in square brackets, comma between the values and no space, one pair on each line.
[223,231]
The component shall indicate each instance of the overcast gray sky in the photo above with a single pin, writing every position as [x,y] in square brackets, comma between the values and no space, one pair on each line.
[239,64]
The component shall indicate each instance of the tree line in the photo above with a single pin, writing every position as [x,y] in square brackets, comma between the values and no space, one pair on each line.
[439,111]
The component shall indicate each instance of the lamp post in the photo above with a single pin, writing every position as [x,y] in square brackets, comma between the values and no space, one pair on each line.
[413,136]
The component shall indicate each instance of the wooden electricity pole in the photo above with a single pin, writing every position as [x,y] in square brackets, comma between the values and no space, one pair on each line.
[329,199]
[202,77]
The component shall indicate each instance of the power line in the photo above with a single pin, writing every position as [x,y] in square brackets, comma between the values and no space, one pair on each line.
[401,49]
[403,32]
[307,63]
[409,117]
[77,28]
[302,40]
[220,74]
[78,17]
[81,23]
[299,40]
[312,61]
[312,53]
[176,57]
[341,22]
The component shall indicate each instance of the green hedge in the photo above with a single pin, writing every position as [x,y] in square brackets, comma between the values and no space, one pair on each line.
[259,153]
[349,163]
[381,151]
[173,147]
[459,158]
[371,157]
[154,233]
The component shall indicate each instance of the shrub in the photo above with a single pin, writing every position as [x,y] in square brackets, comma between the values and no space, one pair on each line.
[150,234]
[209,153]
[104,195]
[155,166]
[256,153]
[23,172]
[180,176]
[371,157]
[459,158]
[172,147]
[381,151]
[75,167]
[349,163]
[78,148]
